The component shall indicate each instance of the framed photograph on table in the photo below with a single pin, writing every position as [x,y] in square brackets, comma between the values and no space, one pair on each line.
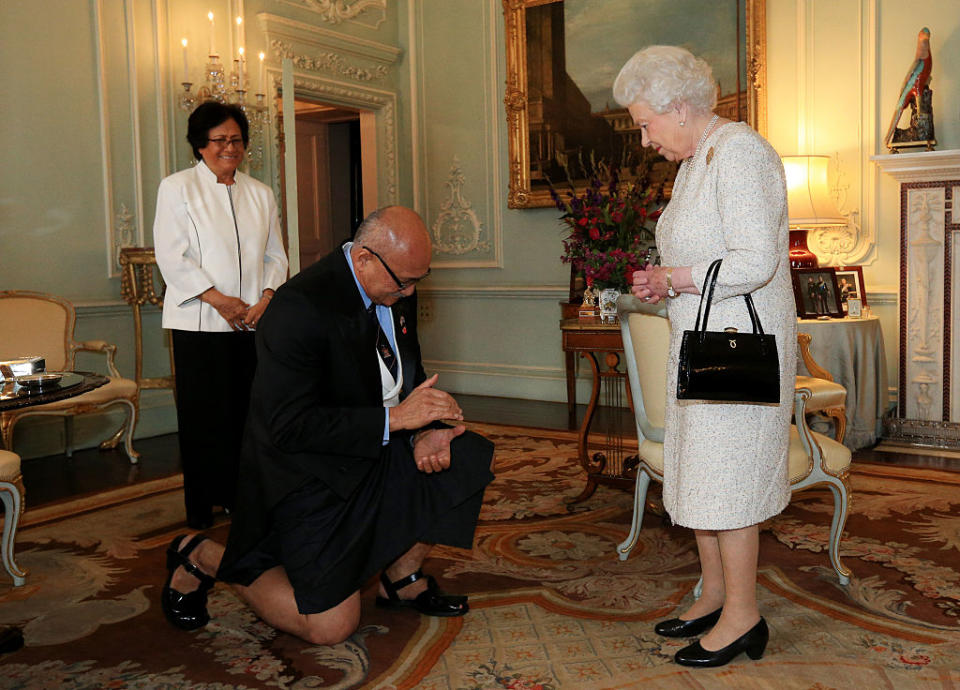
[850,284]
[854,308]
[816,293]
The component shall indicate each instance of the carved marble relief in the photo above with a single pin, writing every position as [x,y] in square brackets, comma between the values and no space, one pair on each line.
[925,318]
[928,411]
[458,229]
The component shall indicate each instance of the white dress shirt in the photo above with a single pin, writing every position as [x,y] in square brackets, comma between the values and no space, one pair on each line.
[208,234]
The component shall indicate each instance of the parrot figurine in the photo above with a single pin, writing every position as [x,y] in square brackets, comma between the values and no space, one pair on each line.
[916,80]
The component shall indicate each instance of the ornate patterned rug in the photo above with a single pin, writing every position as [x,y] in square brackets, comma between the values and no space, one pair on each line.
[552,606]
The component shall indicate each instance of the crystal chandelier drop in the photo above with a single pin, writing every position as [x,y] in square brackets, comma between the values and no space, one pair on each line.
[232,89]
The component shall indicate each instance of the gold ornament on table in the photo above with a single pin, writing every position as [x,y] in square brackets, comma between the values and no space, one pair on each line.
[588,308]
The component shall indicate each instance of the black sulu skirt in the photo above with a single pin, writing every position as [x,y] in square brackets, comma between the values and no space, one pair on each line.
[329,547]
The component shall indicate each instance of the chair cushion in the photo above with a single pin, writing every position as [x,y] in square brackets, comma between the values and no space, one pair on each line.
[824,393]
[9,466]
[651,453]
[836,456]
[115,389]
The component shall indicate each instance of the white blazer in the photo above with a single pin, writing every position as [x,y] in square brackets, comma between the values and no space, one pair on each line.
[208,234]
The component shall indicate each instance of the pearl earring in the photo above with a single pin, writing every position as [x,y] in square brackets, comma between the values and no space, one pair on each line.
[683,122]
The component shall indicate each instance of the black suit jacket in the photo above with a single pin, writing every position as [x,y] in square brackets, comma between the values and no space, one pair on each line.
[316,407]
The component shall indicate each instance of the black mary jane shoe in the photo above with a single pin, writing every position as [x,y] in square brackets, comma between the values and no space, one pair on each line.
[677,627]
[185,611]
[753,642]
[430,602]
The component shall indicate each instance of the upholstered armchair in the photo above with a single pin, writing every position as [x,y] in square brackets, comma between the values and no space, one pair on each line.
[826,396]
[814,459]
[11,495]
[34,323]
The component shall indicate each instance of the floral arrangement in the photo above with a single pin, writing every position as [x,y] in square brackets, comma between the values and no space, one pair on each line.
[611,225]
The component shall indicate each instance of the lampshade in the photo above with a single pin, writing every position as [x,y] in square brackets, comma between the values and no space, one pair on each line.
[809,202]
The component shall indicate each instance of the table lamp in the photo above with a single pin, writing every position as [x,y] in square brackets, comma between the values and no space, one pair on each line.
[809,204]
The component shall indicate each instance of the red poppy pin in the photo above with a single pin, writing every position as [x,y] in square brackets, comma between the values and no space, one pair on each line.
[403,324]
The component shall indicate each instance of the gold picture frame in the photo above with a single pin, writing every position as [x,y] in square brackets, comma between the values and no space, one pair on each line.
[522,192]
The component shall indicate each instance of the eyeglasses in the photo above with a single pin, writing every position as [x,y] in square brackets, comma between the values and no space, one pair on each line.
[401,284]
[223,142]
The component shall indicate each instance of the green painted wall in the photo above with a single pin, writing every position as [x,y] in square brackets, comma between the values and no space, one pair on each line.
[491,313]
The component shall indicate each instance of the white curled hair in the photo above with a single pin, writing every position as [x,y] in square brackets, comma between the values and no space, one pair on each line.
[664,77]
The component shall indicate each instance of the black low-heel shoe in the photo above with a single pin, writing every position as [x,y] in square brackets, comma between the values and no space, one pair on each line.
[185,611]
[677,627]
[753,642]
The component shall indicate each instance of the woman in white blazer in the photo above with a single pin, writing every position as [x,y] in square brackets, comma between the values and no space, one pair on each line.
[218,246]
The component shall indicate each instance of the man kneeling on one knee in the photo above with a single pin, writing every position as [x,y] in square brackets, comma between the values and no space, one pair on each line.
[347,470]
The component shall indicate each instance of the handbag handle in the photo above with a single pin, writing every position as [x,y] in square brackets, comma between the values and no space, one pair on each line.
[709,283]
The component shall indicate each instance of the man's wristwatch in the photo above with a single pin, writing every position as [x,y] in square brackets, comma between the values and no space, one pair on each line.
[670,291]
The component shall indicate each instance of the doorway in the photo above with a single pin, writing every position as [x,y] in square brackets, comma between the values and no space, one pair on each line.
[329,177]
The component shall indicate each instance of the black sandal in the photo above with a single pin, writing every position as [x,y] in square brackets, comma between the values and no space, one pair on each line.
[185,611]
[430,602]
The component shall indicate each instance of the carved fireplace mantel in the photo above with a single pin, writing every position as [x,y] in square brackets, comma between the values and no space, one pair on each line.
[928,412]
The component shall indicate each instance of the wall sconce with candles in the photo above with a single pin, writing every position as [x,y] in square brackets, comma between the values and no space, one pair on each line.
[218,87]
[809,205]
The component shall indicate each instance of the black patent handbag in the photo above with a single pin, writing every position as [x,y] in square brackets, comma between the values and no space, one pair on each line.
[727,366]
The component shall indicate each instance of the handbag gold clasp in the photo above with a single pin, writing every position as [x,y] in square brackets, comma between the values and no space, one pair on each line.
[733,344]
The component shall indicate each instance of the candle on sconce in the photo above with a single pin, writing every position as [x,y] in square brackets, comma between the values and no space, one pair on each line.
[241,70]
[262,81]
[239,31]
[213,45]
[186,71]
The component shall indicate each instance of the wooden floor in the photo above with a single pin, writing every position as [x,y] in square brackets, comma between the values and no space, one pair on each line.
[56,478]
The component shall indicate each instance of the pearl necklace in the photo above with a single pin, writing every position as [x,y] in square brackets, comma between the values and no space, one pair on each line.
[703,137]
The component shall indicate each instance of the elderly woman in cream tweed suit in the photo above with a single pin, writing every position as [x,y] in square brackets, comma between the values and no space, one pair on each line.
[725,465]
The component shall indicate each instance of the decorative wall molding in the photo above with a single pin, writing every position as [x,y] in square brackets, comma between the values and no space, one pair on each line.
[328,61]
[383,103]
[884,295]
[108,309]
[303,38]
[493,369]
[836,246]
[120,84]
[548,293]
[507,380]
[856,242]
[457,229]
[124,231]
[921,166]
[285,36]
[368,13]
[482,252]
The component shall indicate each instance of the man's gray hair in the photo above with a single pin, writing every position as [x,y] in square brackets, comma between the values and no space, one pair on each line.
[666,76]
[371,226]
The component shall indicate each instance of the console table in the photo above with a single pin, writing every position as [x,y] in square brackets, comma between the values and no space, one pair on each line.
[593,339]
